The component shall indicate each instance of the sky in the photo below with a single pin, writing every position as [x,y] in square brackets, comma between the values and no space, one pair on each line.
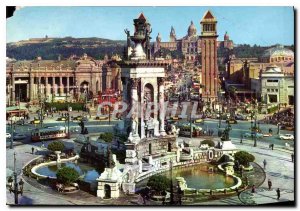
[245,25]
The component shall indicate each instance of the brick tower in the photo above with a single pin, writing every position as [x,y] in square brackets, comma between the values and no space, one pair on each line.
[209,57]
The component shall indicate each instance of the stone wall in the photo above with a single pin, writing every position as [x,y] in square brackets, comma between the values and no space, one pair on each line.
[158,146]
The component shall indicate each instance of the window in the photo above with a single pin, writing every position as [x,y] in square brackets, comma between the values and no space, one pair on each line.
[272,80]
[268,90]
[276,90]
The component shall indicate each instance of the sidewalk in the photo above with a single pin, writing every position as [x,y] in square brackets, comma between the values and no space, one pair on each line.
[265,196]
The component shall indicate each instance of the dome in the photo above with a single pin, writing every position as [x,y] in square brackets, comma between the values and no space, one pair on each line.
[158,38]
[192,31]
[278,51]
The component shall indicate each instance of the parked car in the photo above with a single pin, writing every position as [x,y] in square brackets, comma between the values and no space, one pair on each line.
[8,135]
[61,119]
[286,137]
[77,118]
[199,121]
[231,121]
[35,121]
[18,136]
[20,122]
[101,118]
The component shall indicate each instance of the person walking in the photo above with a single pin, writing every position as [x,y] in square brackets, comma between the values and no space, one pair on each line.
[265,163]
[253,189]
[32,150]
[269,184]
[272,146]
[292,156]
[278,193]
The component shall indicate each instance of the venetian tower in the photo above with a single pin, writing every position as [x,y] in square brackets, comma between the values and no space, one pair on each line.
[209,57]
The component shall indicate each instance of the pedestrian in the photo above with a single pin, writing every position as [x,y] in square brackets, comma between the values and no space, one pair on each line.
[292,155]
[265,163]
[272,146]
[253,189]
[269,184]
[278,193]
[32,150]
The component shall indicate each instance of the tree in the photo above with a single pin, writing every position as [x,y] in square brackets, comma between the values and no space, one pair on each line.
[67,175]
[107,137]
[210,143]
[244,158]
[159,183]
[56,146]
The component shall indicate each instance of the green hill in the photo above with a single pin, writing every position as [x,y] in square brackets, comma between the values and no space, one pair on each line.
[50,48]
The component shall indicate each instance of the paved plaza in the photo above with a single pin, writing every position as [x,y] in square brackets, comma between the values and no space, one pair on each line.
[279,169]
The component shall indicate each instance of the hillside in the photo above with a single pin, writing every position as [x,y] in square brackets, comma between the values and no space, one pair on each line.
[50,48]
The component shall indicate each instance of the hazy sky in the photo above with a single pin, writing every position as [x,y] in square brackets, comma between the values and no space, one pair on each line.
[250,25]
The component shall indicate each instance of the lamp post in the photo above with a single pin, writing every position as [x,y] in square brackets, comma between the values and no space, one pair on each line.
[15,188]
[12,134]
[171,184]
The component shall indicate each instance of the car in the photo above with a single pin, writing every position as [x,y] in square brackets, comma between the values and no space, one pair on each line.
[61,119]
[35,121]
[286,137]
[267,134]
[199,121]
[18,136]
[231,121]
[85,119]
[8,135]
[20,122]
[258,135]
[77,118]
[101,117]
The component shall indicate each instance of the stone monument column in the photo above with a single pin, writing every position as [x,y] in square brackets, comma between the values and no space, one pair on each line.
[134,104]
[31,81]
[161,100]
[53,86]
[13,94]
[68,85]
[61,89]
[47,87]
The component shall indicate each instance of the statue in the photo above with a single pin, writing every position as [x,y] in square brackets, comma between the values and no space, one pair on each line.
[174,130]
[128,37]
[110,162]
[134,126]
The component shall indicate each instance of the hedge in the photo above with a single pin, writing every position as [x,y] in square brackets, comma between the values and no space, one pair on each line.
[67,175]
[56,146]
[64,106]
[273,109]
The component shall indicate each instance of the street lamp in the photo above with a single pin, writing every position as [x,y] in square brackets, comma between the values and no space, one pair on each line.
[171,184]
[12,134]
[15,188]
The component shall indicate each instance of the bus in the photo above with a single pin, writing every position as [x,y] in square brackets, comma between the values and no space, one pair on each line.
[46,133]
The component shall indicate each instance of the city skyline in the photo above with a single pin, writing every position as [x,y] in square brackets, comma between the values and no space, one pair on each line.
[247,29]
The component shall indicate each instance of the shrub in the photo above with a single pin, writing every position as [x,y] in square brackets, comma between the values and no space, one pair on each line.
[107,137]
[56,146]
[67,175]
[244,158]
[210,143]
[64,106]
[159,183]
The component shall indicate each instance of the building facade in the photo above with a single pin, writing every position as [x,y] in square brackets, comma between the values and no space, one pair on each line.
[71,79]
[276,87]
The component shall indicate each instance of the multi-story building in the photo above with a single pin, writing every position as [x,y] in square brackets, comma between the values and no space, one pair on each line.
[190,45]
[274,86]
[61,79]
